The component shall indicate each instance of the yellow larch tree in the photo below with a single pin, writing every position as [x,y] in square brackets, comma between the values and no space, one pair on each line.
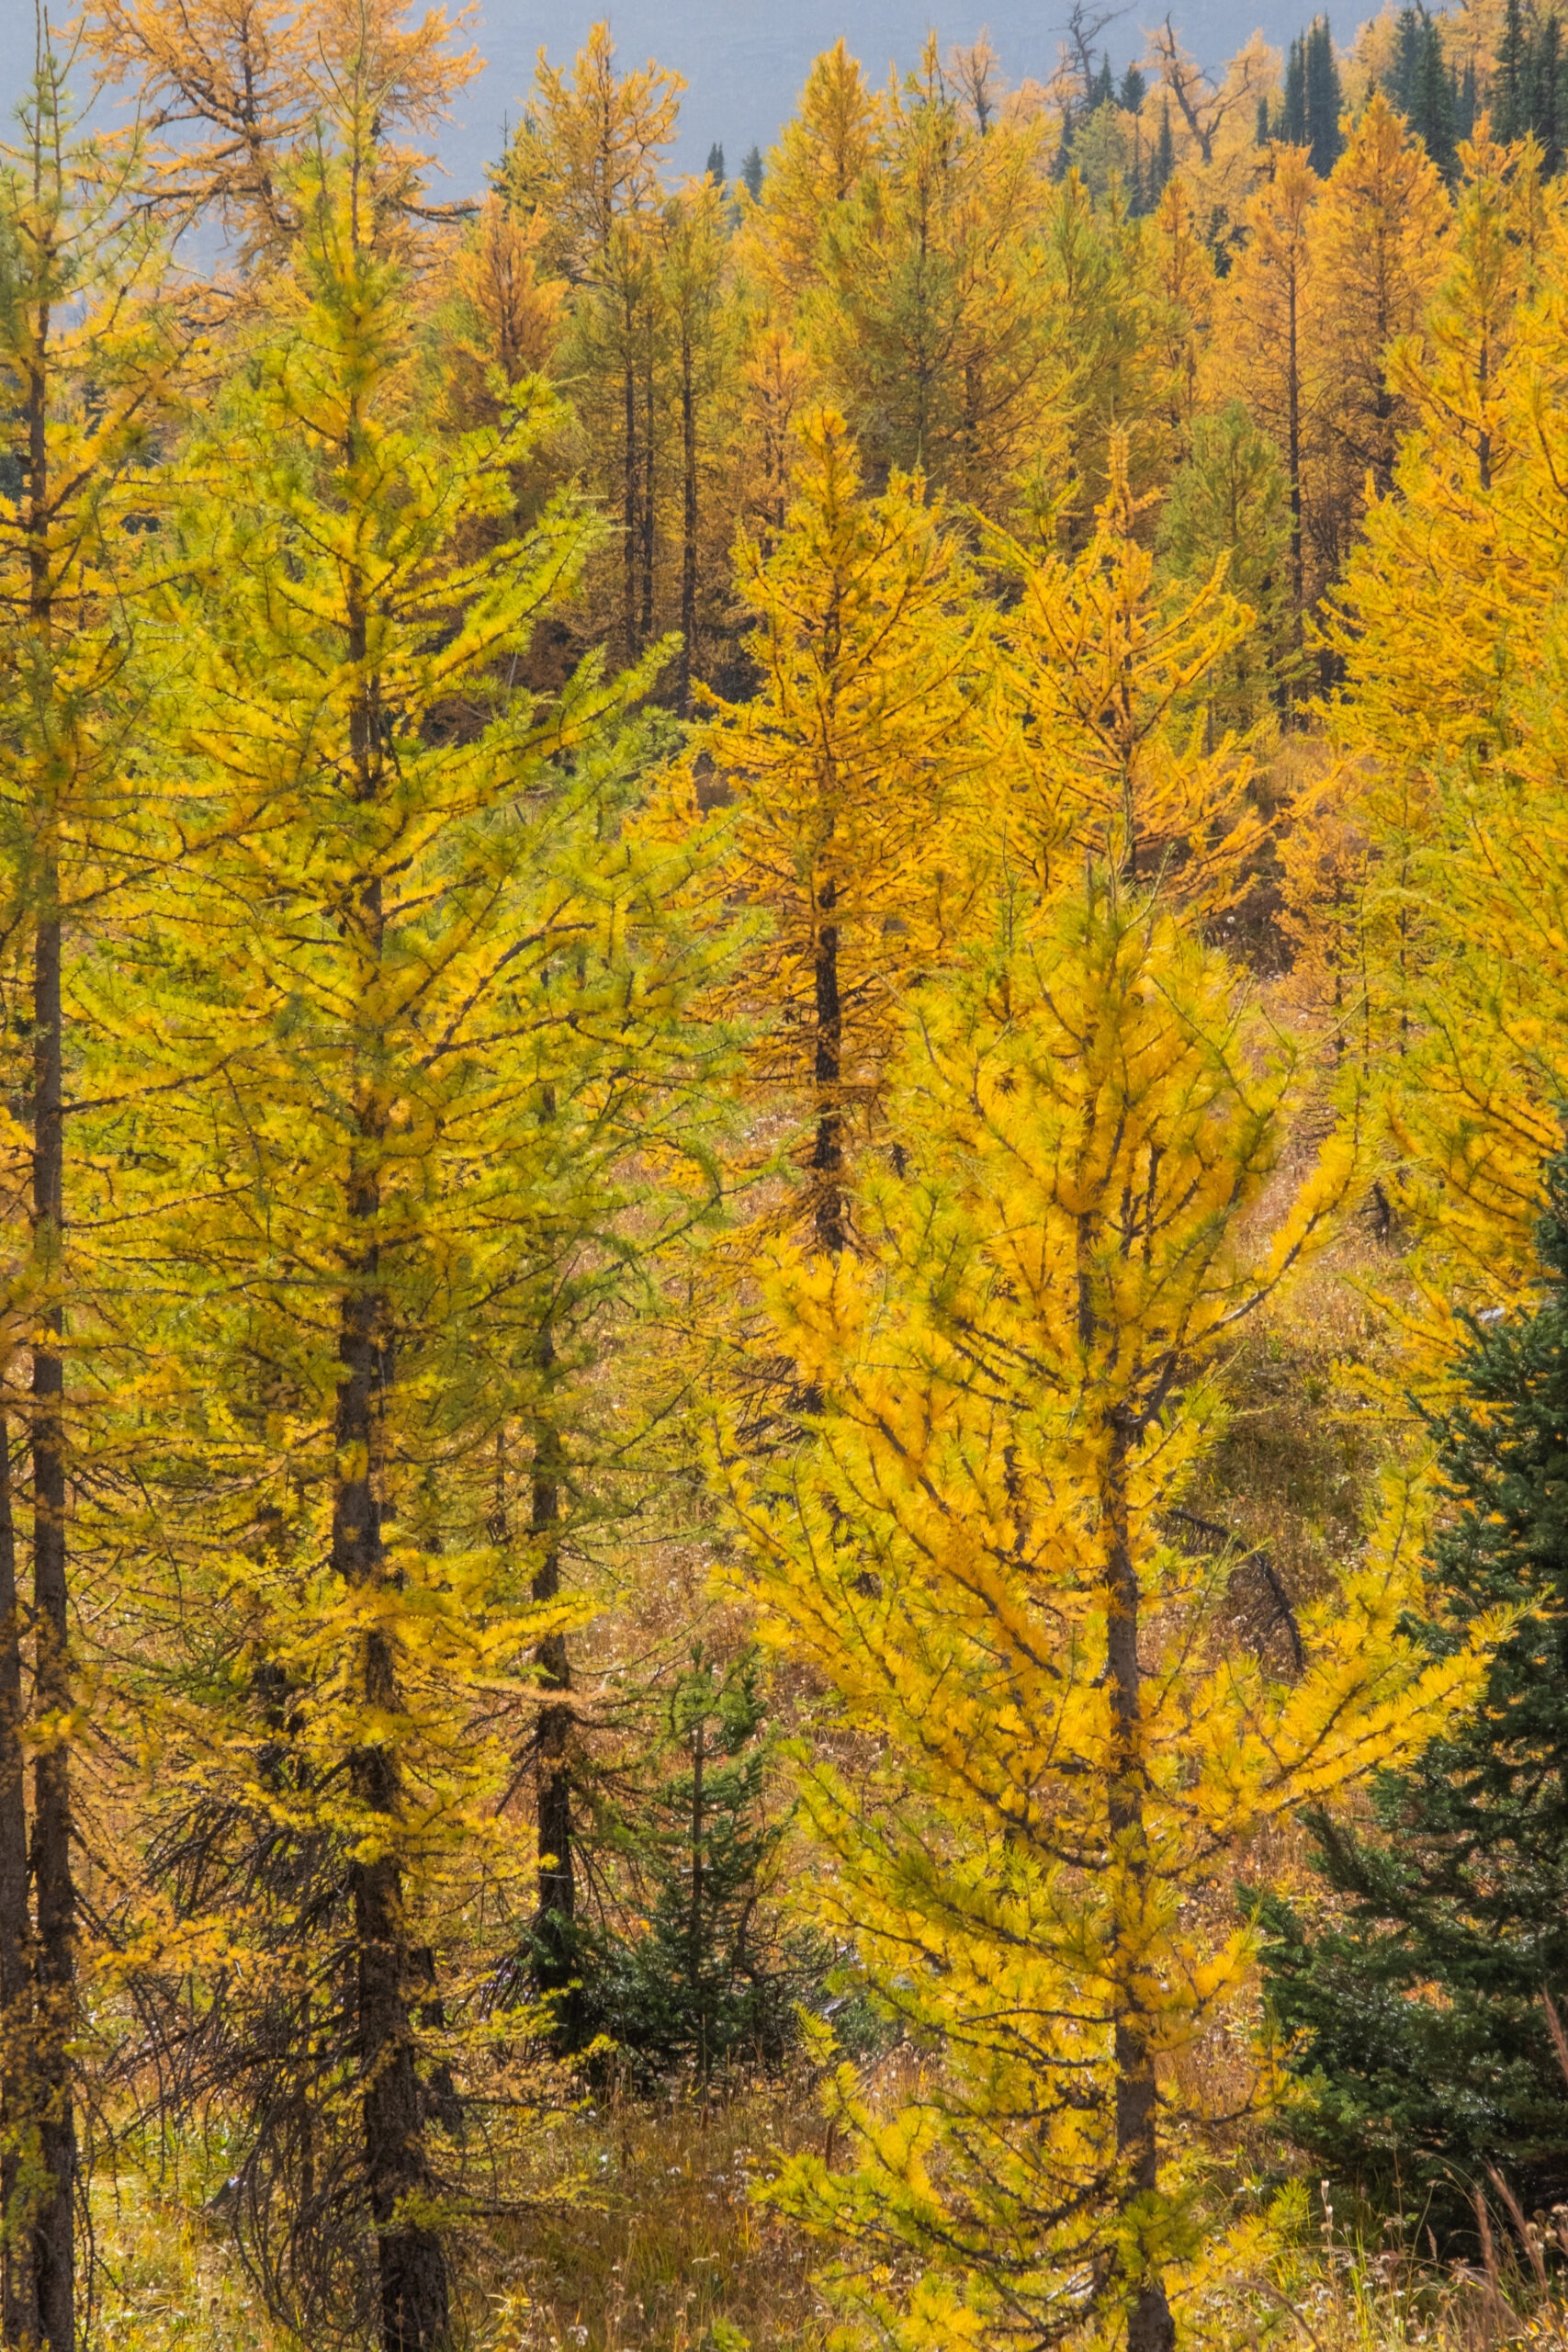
[822,154]
[1057,1749]
[929,322]
[90,353]
[405,992]
[1103,742]
[1379,244]
[849,770]
[228,90]
[1266,343]
[1449,623]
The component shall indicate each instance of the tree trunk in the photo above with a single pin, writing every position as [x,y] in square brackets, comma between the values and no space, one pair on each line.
[54,1892]
[53,2245]
[827,1156]
[411,2258]
[1150,2327]
[557,1883]
[391,1978]
[628,502]
[688,521]
[18,2295]
[648,497]
[1294,398]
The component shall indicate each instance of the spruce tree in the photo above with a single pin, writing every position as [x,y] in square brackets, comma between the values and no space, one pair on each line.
[1510,117]
[751,171]
[1425,2045]
[1294,118]
[1324,98]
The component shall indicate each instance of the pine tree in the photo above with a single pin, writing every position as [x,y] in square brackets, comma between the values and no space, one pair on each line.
[1164,162]
[967,1545]
[1293,114]
[715,171]
[1510,99]
[438,989]
[751,173]
[1417,2021]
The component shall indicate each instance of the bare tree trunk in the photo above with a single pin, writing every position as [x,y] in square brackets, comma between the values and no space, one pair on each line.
[411,2258]
[688,521]
[391,1978]
[831,1216]
[1150,2327]
[628,503]
[54,1891]
[648,496]
[1293,396]
[18,2294]
[557,1883]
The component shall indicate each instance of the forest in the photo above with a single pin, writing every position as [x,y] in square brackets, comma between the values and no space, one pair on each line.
[784,1203]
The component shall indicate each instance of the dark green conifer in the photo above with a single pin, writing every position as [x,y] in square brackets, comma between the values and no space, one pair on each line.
[1293,111]
[1432,108]
[1424,2040]
[751,171]
[1510,109]
[1324,97]
[1163,161]
[715,165]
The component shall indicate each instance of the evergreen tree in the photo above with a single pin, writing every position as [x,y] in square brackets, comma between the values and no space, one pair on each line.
[705,1982]
[1163,160]
[751,172]
[1510,81]
[1103,89]
[715,165]
[1133,91]
[1426,2051]
[1432,101]
[1545,76]
[1399,83]
[1324,98]
[1293,111]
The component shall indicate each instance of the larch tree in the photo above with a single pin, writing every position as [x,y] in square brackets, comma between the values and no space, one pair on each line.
[1268,334]
[1099,718]
[847,770]
[1380,238]
[227,90]
[88,353]
[824,152]
[930,324]
[1427,887]
[408,997]
[973,1545]
[584,162]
